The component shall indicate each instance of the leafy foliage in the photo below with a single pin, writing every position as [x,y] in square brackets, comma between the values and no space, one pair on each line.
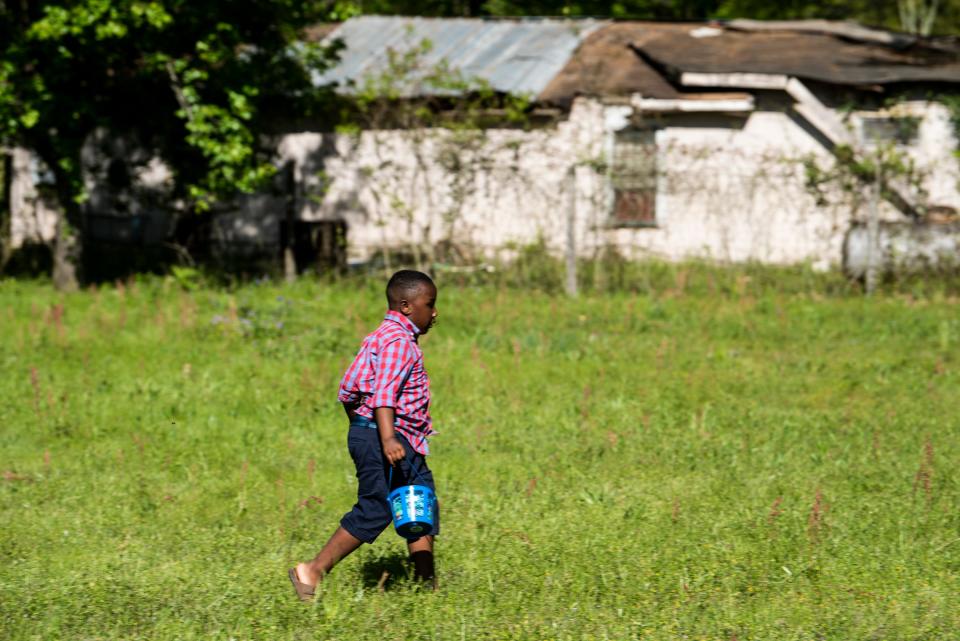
[413,94]
[850,171]
[411,98]
[193,80]
[886,13]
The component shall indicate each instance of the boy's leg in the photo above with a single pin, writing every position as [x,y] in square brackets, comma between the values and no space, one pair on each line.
[340,545]
[368,517]
[415,471]
[421,553]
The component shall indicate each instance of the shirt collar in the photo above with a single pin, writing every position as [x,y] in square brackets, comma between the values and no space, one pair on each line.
[404,322]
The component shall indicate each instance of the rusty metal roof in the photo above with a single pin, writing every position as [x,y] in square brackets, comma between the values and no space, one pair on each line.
[606,65]
[834,57]
[512,56]
[840,28]
[648,58]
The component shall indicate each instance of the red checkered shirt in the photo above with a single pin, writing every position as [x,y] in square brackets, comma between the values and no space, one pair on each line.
[388,372]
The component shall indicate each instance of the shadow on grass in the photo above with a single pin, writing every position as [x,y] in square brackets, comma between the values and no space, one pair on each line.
[383,572]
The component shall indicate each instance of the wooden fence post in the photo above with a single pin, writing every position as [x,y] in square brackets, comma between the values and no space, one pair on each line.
[571,245]
[873,232]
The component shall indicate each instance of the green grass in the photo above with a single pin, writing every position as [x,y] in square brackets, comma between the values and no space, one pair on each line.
[636,465]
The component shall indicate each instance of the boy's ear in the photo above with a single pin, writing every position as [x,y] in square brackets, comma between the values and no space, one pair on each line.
[405,307]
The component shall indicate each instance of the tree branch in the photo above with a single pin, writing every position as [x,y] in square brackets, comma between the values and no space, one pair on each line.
[178,91]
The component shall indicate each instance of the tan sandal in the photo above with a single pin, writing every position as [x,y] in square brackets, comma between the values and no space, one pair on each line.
[304,592]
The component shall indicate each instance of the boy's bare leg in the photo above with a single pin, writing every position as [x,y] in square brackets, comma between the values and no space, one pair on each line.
[421,553]
[340,545]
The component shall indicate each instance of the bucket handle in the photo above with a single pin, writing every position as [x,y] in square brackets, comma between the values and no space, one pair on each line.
[390,477]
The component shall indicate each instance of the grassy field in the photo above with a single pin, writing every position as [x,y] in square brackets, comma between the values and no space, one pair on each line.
[715,457]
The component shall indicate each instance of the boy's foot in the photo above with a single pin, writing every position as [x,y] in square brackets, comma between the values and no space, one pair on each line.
[423,568]
[305,591]
[306,576]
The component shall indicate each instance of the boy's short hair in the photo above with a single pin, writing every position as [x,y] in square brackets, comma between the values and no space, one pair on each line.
[405,283]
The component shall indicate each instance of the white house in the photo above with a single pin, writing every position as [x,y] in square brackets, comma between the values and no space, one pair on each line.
[656,139]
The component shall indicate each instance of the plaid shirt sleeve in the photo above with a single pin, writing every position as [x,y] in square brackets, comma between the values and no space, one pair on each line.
[396,360]
[346,393]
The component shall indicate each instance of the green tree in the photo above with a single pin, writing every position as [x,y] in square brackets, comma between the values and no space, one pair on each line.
[905,15]
[920,16]
[195,81]
[630,9]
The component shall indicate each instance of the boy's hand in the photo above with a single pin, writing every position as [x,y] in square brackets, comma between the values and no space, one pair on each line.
[393,449]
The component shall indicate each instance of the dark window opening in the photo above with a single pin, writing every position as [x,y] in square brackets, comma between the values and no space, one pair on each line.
[878,130]
[320,246]
[633,174]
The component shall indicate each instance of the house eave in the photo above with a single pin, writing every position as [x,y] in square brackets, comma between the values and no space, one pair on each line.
[660,105]
[739,80]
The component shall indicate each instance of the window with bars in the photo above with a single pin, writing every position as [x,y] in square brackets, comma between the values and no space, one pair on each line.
[633,174]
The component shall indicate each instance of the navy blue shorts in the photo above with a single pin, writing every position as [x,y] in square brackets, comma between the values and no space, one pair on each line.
[371,514]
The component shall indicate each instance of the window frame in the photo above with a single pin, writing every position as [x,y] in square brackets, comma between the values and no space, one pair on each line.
[865,118]
[648,132]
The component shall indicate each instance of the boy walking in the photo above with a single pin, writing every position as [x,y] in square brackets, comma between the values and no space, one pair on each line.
[386,395]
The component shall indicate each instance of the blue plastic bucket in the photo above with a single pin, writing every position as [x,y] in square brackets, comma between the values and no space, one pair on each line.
[413,508]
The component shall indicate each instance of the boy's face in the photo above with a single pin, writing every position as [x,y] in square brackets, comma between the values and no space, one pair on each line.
[421,307]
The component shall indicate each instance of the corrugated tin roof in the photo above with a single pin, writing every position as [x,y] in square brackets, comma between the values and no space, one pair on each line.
[512,56]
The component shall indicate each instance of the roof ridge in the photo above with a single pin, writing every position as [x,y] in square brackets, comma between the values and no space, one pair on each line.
[847,29]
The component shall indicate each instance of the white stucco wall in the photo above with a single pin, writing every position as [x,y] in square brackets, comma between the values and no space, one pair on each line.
[725,193]
[933,151]
[393,187]
[739,195]
[33,219]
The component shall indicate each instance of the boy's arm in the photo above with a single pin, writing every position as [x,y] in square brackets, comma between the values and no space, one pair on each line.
[392,447]
[396,361]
